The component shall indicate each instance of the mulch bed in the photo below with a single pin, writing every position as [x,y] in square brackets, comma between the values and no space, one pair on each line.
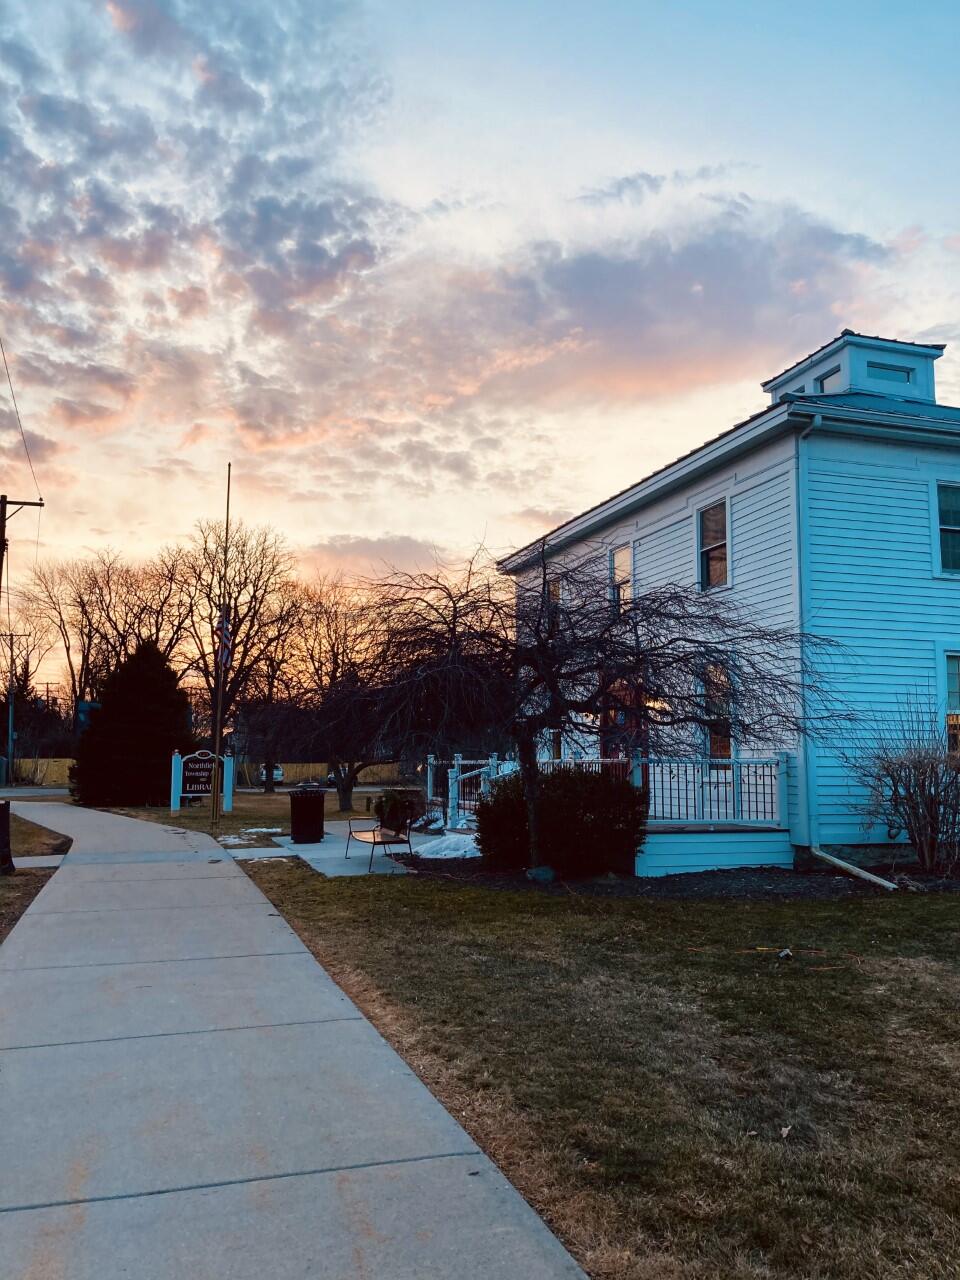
[743,883]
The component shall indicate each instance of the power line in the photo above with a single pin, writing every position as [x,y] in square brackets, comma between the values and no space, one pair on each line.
[16,410]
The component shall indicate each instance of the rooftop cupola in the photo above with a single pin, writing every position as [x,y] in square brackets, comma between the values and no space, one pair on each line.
[857,362]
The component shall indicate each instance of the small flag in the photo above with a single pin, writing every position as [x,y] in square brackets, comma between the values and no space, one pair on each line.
[224,640]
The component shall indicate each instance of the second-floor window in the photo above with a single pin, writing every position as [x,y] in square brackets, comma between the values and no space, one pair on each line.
[621,575]
[948,501]
[712,546]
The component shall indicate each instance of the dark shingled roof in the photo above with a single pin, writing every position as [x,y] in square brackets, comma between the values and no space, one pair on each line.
[851,333]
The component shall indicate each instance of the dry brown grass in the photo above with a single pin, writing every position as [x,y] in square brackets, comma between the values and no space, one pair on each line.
[16,894]
[27,839]
[677,1101]
[250,810]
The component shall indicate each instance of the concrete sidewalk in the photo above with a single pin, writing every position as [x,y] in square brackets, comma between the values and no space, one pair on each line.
[187,1093]
[94,831]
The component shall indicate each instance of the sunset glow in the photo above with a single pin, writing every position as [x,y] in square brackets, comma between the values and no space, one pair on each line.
[430,277]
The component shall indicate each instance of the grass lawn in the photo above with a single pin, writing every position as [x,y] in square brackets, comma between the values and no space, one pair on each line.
[29,840]
[677,1101]
[250,810]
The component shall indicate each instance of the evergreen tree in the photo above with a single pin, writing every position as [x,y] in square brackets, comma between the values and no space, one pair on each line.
[124,756]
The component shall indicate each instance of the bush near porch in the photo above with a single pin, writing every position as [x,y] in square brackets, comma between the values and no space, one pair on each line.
[590,823]
[678,1101]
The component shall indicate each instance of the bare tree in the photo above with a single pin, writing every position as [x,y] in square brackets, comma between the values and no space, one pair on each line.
[58,593]
[341,658]
[556,651]
[262,607]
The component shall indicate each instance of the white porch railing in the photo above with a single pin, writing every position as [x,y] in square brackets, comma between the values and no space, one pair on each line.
[716,792]
[683,792]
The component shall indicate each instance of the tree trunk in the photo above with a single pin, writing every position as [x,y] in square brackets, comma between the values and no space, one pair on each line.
[530,777]
[269,786]
[346,780]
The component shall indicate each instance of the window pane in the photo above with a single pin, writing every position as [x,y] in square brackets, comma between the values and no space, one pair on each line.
[889,372]
[829,381]
[713,525]
[622,574]
[713,567]
[950,550]
[949,496]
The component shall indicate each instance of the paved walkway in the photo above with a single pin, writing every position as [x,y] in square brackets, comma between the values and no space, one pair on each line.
[186,1093]
[100,833]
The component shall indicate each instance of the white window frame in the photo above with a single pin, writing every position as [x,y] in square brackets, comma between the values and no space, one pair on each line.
[698,549]
[937,528]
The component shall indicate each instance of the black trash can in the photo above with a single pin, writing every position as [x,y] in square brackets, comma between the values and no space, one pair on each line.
[306,813]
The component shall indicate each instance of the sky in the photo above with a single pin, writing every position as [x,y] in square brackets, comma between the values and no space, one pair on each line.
[435,274]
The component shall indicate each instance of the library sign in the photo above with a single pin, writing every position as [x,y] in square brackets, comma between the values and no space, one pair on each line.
[192,776]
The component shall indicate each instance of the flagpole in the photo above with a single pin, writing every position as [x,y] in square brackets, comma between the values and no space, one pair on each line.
[220,671]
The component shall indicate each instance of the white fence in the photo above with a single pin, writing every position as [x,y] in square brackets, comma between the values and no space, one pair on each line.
[683,792]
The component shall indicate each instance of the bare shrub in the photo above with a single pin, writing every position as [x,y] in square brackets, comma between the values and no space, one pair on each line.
[912,779]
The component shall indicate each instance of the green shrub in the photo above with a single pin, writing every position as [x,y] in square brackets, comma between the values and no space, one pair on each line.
[123,758]
[396,806]
[590,823]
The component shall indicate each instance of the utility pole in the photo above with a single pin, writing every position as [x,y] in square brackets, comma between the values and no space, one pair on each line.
[11,684]
[5,514]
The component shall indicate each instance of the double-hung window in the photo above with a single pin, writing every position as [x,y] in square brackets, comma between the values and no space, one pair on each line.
[948,502]
[712,546]
[621,576]
[953,703]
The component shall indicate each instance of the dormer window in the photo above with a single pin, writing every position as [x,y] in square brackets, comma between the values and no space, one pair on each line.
[829,381]
[889,372]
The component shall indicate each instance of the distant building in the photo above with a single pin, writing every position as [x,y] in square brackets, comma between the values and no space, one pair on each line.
[834,511]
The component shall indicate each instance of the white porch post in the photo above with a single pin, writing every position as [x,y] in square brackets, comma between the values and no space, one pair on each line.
[489,773]
[783,791]
[453,795]
[431,767]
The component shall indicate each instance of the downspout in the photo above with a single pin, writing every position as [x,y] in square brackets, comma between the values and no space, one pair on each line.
[811,824]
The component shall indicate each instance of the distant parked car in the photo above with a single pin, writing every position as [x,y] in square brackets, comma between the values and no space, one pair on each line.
[277,773]
[331,779]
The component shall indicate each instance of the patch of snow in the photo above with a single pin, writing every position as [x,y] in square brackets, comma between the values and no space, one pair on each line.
[262,831]
[449,846]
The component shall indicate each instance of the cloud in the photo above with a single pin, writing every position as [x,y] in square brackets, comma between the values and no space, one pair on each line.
[22,59]
[354,554]
[634,188]
[189,272]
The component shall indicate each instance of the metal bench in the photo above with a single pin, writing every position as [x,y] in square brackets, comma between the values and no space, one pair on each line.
[378,836]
